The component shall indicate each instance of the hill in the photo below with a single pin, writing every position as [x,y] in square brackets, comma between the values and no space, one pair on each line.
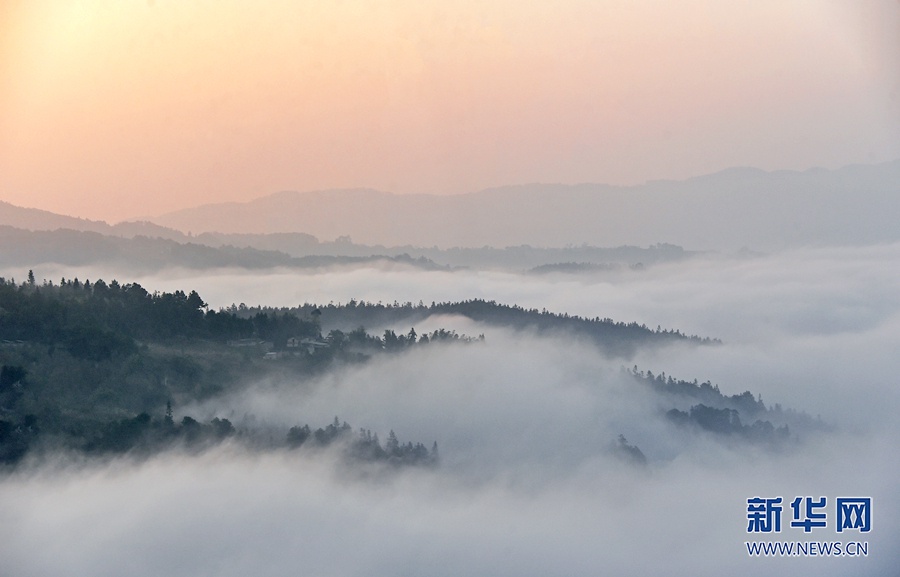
[728,210]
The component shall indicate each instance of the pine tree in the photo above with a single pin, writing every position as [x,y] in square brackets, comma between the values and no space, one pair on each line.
[392,446]
[169,421]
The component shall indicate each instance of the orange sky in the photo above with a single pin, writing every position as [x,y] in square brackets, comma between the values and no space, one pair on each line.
[126,108]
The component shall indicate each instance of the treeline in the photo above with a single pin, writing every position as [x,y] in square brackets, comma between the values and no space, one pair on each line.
[98,320]
[360,341]
[713,411]
[728,422]
[143,435]
[364,444]
[612,336]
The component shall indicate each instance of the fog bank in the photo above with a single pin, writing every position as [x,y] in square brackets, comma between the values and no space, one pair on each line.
[527,484]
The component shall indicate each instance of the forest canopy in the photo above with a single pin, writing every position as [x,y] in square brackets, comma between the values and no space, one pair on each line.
[91,366]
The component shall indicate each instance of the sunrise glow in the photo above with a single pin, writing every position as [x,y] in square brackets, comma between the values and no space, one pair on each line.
[117,110]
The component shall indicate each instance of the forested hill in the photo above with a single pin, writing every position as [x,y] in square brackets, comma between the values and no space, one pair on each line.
[97,367]
[79,248]
[614,337]
[97,320]
[78,361]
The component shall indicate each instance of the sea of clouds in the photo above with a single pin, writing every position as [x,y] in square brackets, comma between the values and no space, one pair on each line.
[527,483]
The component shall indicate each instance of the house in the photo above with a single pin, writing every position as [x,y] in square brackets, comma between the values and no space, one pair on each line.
[294,344]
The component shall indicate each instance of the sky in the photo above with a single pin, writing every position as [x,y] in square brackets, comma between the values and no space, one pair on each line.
[117,110]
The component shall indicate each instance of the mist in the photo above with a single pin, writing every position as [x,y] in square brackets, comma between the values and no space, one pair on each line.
[528,483]
[814,291]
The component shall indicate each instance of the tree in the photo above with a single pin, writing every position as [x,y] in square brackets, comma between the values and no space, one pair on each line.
[298,435]
[391,341]
[169,421]
[629,452]
[392,445]
[195,302]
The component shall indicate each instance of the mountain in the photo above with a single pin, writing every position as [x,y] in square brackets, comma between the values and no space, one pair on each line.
[741,207]
[728,210]
[26,248]
[36,219]
[30,237]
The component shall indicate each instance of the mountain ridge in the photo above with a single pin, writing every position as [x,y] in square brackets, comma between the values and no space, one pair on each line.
[729,209]
[726,210]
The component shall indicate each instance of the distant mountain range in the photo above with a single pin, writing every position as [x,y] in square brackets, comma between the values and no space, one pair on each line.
[23,249]
[728,210]
[35,219]
[45,237]
[735,208]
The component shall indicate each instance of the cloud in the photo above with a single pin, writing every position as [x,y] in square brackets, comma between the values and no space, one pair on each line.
[227,512]
[527,485]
